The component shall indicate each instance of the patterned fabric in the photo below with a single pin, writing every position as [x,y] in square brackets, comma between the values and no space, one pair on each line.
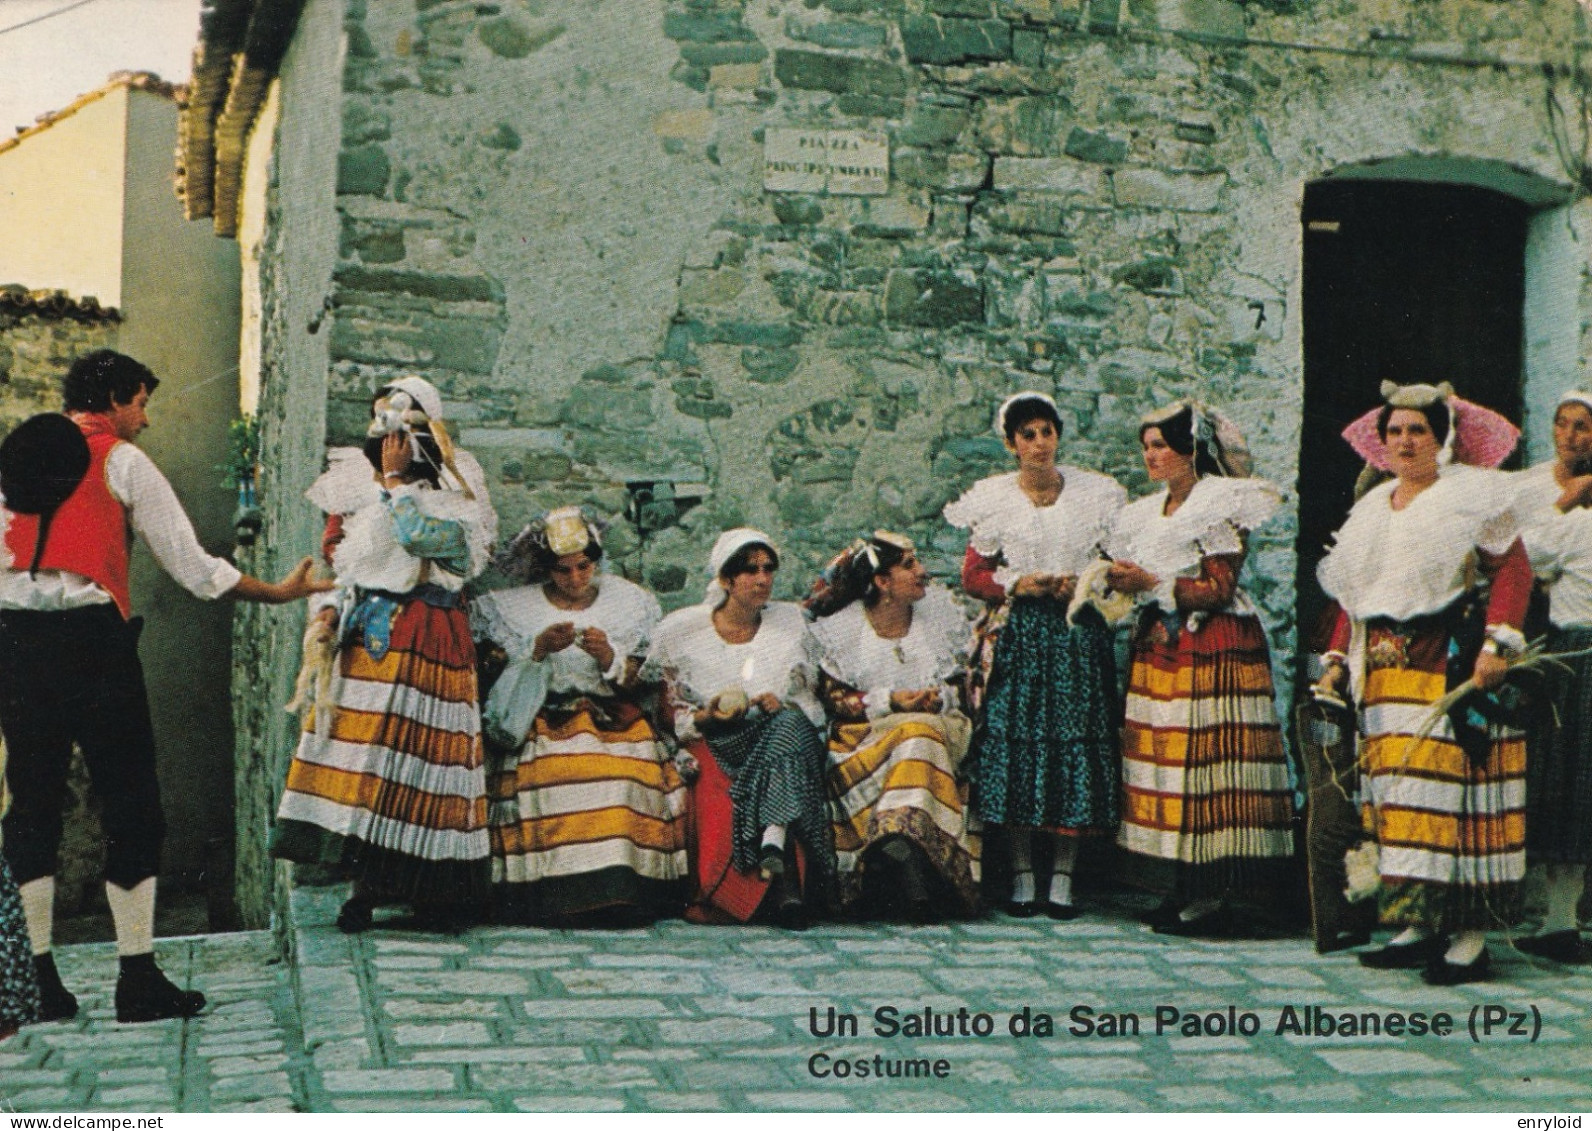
[1045,754]
[396,791]
[896,778]
[588,816]
[19,993]
[776,765]
[1559,769]
[1451,831]
[1205,777]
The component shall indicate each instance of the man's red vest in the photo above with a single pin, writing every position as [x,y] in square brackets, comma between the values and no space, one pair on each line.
[89,534]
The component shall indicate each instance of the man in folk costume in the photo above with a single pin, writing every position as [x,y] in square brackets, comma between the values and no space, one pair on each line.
[69,668]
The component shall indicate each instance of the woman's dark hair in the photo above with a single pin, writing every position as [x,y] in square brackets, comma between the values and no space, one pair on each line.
[1025,409]
[741,561]
[544,559]
[852,579]
[427,466]
[97,379]
[1436,415]
[1178,432]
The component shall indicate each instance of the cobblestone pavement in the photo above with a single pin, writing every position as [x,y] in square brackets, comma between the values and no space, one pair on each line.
[679,1017]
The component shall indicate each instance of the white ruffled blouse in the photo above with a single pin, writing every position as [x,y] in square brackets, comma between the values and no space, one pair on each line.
[1212,521]
[929,655]
[1412,562]
[1062,538]
[698,663]
[370,555]
[514,618]
[1559,544]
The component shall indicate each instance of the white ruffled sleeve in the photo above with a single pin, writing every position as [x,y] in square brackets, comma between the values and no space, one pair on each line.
[976,511]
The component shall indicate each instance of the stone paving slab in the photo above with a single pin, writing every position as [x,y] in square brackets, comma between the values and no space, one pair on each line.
[686,1018]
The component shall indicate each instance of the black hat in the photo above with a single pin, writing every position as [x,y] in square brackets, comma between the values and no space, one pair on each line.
[42,462]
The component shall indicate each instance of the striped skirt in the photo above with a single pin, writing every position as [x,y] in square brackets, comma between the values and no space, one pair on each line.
[899,780]
[1451,832]
[588,818]
[1559,770]
[395,792]
[1205,778]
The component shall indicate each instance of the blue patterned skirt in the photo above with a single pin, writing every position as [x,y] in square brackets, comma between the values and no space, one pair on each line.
[1045,752]
[19,993]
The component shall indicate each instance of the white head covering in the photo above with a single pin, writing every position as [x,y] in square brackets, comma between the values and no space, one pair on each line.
[1215,435]
[1000,413]
[723,550]
[1575,396]
[424,394]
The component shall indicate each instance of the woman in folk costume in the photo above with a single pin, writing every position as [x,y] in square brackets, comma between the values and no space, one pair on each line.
[893,651]
[740,675]
[19,988]
[1444,803]
[1044,755]
[1557,530]
[587,807]
[1208,802]
[389,779]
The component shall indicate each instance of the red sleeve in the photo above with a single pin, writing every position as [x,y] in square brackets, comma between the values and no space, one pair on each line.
[1213,588]
[1511,586]
[1339,641]
[978,577]
[331,536]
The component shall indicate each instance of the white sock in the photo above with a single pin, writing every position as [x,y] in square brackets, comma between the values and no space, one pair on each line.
[1466,948]
[1564,892]
[774,836]
[38,908]
[133,912]
[1409,936]
[1022,887]
[1064,857]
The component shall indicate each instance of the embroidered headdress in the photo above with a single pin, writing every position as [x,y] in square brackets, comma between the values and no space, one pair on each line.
[851,572]
[1219,445]
[1477,436]
[566,530]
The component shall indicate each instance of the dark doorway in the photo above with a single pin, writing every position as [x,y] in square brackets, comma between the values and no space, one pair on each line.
[1405,282]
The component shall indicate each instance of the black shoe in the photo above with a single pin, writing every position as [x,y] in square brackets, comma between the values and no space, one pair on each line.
[56,1003]
[1022,909]
[1564,947]
[1061,912]
[143,993]
[1165,911]
[1408,956]
[1343,940]
[792,915]
[355,916]
[1445,973]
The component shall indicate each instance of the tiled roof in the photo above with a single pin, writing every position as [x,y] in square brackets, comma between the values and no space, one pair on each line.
[16,299]
[241,44]
[133,80]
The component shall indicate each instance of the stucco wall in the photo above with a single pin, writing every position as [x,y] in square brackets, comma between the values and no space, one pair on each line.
[180,308]
[67,180]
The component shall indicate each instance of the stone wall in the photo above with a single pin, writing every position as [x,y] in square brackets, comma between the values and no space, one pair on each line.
[294,288]
[560,218]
